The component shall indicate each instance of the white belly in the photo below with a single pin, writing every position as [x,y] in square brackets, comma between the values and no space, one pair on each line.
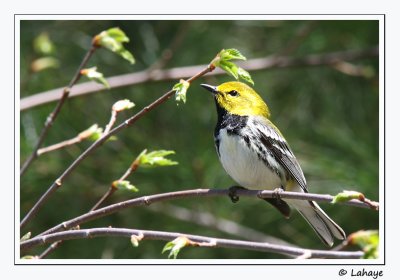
[244,166]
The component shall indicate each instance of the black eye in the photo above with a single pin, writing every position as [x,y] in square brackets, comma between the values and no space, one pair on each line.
[233,93]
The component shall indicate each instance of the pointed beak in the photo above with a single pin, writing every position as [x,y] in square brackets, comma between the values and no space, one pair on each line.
[212,89]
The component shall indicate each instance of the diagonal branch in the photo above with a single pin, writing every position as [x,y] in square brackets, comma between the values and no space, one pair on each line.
[147,200]
[169,236]
[257,64]
[53,115]
[132,168]
[58,182]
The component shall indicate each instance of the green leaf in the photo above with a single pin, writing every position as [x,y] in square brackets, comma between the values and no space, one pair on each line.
[93,75]
[230,54]
[26,236]
[226,55]
[113,39]
[127,55]
[142,154]
[43,45]
[180,90]
[156,158]
[244,75]
[117,34]
[346,196]
[368,241]
[92,133]
[122,105]
[222,60]
[229,67]
[175,246]
[125,185]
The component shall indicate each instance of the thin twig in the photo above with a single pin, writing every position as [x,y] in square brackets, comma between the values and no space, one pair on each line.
[53,115]
[59,145]
[132,168]
[341,246]
[257,64]
[58,183]
[169,236]
[147,200]
[112,121]
[77,139]
[109,192]
[50,249]
[107,129]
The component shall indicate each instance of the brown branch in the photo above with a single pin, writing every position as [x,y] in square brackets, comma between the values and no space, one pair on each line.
[132,168]
[110,191]
[169,236]
[53,115]
[111,122]
[256,64]
[50,249]
[58,182]
[147,200]
[59,146]
[77,139]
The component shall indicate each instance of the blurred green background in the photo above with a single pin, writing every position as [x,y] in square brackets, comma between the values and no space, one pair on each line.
[330,119]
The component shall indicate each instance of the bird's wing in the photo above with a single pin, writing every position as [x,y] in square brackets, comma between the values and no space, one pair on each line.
[272,139]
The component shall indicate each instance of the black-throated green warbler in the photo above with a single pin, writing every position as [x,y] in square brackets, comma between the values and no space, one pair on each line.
[256,155]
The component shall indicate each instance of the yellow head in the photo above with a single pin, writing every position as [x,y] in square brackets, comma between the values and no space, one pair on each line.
[238,99]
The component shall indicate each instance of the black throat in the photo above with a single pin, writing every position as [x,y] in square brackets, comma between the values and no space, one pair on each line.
[232,123]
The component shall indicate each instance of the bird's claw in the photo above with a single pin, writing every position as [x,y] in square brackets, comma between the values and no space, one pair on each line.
[277,193]
[233,193]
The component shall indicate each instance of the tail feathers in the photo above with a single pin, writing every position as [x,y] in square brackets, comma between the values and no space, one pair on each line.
[280,205]
[334,228]
[324,226]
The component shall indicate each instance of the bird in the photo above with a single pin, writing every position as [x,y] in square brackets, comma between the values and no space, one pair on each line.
[255,154]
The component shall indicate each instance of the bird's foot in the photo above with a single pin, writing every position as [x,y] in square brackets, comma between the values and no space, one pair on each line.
[277,193]
[233,193]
